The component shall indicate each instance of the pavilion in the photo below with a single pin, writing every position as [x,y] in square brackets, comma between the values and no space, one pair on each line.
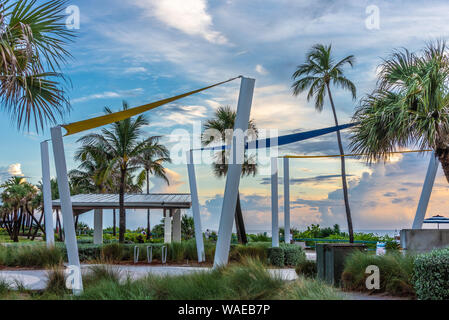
[170,203]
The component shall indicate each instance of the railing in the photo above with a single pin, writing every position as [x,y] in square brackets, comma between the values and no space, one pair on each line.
[335,240]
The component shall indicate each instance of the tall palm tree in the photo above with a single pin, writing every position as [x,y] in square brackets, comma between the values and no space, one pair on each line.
[120,143]
[32,48]
[409,107]
[152,160]
[316,75]
[223,120]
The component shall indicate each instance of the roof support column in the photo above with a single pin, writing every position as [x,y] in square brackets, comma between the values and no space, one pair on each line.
[177,225]
[98,226]
[167,226]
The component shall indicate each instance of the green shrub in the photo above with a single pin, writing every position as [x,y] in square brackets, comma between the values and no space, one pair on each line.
[276,256]
[240,252]
[56,281]
[29,256]
[308,289]
[112,252]
[293,254]
[431,275]
[396,271]
[306,268]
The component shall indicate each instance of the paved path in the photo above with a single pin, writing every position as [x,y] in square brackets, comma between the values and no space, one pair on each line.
[35,279]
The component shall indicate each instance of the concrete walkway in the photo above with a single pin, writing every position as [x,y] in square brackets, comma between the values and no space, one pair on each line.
[36,279]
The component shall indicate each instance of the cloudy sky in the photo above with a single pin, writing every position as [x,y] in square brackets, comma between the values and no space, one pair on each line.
[144,50]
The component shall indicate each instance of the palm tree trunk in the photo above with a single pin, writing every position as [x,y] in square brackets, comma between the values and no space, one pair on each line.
[239,223]
[122,213]
[343,172]
[148,210]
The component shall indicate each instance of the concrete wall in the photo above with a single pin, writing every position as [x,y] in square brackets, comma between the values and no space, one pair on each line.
[421,240]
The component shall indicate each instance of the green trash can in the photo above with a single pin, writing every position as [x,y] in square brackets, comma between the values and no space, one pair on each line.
[330,259]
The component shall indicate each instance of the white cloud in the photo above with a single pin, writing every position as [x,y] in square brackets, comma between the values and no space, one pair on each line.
[160,186]
[15,170]
[188,16]
[261,70]
[133,70]
[110,95]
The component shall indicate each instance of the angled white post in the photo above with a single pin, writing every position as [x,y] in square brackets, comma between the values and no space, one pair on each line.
[66,209]
[287,238]
[195,207]
[274,203]
[46,191]
[426,192]
[233,175]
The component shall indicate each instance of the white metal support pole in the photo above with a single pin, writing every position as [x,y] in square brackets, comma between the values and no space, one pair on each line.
[233,175]
[426,192]
[195,207]
[274,203]
[287,238]
[98,226]
[46,186]
[66,208]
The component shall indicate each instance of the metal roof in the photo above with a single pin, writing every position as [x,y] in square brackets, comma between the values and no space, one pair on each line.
[87,202]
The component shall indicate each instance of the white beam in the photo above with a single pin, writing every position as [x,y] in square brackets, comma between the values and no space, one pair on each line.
[274,203]
[286,200]
[195,207]
[233,175]
[177,225]
[426,192]
[98,226]
[46,191]
[66,209]
[167,226]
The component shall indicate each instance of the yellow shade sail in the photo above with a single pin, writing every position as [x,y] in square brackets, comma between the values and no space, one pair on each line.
[93,123]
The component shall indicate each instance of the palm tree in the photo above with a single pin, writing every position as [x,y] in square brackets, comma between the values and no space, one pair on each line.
[223,120]
[409,107]
[316,75]
[32,49]
[121,145]
[152,160]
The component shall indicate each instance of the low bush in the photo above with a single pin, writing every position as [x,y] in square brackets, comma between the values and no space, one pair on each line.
[56,281]
[30,256]
[276,256]
[112,252]
[431,275]
[306,268]
[293,254]
[396,272]
[238,253]
[311,289]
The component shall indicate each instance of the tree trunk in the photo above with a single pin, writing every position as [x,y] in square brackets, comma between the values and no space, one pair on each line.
[343,172]
[122,213]
[239,223]
[15,229]
[114,223]
[148,210]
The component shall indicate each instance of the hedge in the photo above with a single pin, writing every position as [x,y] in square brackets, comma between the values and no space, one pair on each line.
[293,254]
[431,275]
[276,256]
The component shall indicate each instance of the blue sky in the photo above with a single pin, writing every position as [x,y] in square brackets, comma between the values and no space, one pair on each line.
[144,50]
